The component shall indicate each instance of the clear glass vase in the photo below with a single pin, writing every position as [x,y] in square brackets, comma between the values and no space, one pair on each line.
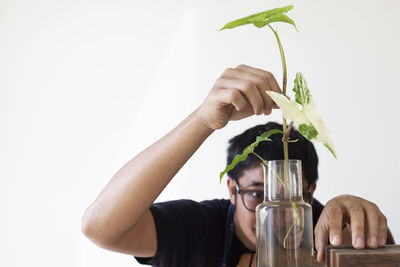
[284,221]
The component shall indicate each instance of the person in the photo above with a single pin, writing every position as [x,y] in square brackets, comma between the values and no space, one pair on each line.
[125,219]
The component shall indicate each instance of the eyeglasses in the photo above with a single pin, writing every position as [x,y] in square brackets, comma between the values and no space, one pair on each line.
[251,198]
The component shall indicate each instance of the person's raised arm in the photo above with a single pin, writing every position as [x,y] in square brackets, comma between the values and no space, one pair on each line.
[120,219]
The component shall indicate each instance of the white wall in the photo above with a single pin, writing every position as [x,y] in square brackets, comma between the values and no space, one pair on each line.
[86,85]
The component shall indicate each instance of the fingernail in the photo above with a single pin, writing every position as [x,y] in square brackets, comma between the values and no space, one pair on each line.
[373,241]
[359,242]
[382,242]
[335,240]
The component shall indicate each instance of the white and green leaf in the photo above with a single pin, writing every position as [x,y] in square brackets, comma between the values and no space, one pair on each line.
[290,109]
[304,114]
[308,131]
[323,136]
[303,95]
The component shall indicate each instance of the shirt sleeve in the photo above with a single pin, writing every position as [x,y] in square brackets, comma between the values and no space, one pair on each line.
[183,229]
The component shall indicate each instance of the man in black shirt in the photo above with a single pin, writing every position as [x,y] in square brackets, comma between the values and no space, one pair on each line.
[186,233]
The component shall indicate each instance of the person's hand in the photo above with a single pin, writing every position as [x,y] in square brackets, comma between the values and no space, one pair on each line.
[238,93]
[368,224]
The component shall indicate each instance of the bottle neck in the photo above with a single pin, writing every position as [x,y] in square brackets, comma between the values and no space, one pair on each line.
[280,184]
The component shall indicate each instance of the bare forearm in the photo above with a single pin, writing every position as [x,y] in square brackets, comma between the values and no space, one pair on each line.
[138,183]
[118,217]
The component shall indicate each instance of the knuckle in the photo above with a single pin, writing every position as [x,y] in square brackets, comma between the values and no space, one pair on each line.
[328,204]
[241,66]
[334,202]
[383,219]
[373,206]
[260,80]
[333,211]
[268,75]
[247,86]
[227,72]
[372,209]
[355,209]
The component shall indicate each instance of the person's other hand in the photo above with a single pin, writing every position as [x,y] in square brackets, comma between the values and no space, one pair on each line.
[238,93]
[367,223]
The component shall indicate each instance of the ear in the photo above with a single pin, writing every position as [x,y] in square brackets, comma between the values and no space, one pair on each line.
[312,189]
[232,189]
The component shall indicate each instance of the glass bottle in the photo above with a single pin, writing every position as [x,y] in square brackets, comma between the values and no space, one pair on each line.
[284,221]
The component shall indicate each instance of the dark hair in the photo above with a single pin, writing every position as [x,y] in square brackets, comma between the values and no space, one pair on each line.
[303,150]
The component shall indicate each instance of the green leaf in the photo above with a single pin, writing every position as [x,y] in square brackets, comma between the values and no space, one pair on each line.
[262,19]
[280,18]
[303,95]
[308,131]
[248,150]
[265,136]
[274,18]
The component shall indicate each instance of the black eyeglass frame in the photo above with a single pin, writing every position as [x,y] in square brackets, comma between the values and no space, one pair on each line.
[306,195]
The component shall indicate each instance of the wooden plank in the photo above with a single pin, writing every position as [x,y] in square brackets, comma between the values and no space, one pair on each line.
[388,256]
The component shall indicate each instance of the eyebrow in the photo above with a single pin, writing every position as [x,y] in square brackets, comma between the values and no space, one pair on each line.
[254,183]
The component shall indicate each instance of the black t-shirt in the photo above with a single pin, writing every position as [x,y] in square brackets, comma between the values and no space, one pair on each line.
[191,233]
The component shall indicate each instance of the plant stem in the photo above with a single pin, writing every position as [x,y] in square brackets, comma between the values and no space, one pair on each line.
[287,188]
[284,82]
[286,136]
[287,234]
[282,58]
[285,185]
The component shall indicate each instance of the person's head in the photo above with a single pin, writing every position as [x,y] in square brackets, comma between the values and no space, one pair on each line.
[248,174]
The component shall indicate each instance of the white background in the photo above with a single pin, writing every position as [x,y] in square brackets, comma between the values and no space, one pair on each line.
[86,85]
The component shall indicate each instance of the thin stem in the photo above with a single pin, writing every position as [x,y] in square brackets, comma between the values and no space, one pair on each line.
[258,156]
[282,59]
[287,234]
[286,137]
[285,185]
[284,82]
[287,133]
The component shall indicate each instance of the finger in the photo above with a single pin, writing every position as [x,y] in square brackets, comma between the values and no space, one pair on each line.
[270,78]
[335,225]
[248,89]
[262,86]
[321,237]
[231,96]
[258,81]
[382,230]
[273,84]
[357,226]
[372,215]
